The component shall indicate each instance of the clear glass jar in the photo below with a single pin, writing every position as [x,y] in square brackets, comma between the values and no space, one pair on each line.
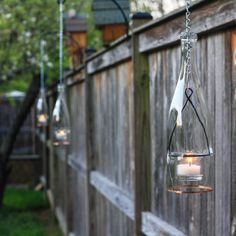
[190,152]
[41,109]
[60,120]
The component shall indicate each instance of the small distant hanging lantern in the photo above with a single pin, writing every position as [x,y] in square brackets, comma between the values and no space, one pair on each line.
[60,120]
[60,115]
[190,152]
[76,29]
[41,104]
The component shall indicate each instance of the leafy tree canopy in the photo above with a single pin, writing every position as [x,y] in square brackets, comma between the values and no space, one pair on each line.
[22,25]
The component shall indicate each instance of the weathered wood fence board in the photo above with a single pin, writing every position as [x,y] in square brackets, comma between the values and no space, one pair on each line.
[187,213]
[233,153]
[114,194]
[205,18]
[112,179]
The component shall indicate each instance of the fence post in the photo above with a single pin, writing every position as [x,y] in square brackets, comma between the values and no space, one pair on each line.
[142,165]
[90,155]
[233,138]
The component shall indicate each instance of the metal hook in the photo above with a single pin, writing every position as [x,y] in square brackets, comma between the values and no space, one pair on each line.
[124,16]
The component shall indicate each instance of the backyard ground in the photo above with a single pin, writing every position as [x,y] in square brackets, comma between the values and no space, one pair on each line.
[26,213]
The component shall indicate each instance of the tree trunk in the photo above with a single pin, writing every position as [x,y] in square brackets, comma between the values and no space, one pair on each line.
[7,144]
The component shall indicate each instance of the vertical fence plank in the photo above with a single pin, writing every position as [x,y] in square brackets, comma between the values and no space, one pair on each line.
[91,214]
[233,141]
[223,136]
[142,161]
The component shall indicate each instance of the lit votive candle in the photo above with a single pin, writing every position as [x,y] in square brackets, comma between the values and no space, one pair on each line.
[61,134]
[42,118]
[188,169]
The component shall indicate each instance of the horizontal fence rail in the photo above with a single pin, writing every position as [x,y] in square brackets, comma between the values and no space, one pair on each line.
[111,180]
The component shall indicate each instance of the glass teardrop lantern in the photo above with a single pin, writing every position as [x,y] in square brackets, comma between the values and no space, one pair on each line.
[60,120]
[190,152]
[60,115]
[41,104]
[41,109]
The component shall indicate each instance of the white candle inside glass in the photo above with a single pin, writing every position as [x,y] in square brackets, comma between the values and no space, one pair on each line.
[188,168]
[61,134]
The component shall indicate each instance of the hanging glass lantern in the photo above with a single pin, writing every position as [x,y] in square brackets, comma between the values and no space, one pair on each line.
[41,104]
[190,152]
[60,120]
[41,109]
[60,115]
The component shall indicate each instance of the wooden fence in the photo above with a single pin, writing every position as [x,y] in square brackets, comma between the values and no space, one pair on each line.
[26,141]
[25,161]
[111,181]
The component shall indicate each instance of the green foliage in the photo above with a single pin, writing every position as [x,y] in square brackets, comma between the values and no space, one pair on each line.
[25,213]
[15,84]
[22,25]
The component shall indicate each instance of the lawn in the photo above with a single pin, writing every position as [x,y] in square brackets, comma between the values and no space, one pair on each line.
[26,213]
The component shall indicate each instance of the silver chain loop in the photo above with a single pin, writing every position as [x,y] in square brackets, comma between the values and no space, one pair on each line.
[188,32]
[188,13]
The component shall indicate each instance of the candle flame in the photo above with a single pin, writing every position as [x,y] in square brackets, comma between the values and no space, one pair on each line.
[61,132]
[189,160]
[42,118]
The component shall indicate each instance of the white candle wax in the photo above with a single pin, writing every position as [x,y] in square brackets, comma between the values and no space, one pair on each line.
[188,169]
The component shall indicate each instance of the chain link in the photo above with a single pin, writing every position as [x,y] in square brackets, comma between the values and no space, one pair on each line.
[188,13]
[188,32]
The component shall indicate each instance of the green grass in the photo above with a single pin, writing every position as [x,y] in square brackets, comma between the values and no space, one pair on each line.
[26,213]
[24,199]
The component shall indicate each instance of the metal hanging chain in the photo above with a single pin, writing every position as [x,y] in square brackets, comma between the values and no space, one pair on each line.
[123,15]
[42,65]
[60,2]
[188,13]
[188,32]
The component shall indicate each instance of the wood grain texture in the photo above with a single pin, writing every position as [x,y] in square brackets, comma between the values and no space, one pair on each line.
[208,17]
[77,166]
[90,163]
[141,123]
[223,136]
[110,57]
[112,125]
[77,103]
[113,193]
[110,220]
[79,204]
[194,215]
[153,226]
[233,141]
[61,220]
